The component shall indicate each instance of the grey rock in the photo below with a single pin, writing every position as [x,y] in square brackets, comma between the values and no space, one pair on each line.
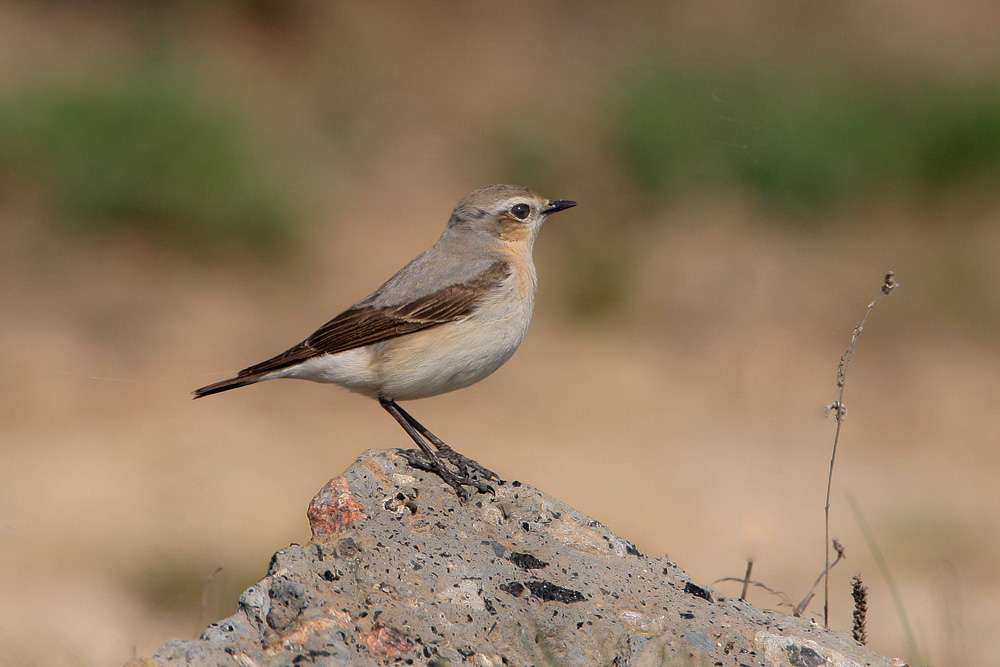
[401,571]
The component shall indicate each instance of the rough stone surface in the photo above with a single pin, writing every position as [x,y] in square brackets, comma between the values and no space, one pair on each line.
[401,572]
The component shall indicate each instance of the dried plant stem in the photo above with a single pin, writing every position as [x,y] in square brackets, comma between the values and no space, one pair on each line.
[746,580]
[800,608]
[840,413]
[860,594]
[797,609]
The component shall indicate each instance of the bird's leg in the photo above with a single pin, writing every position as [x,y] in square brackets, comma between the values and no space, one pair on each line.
[430,462]
[433,462]
[445,451]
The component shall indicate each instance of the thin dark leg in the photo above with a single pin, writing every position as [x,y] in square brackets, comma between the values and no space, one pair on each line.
[445,450]
[433,464]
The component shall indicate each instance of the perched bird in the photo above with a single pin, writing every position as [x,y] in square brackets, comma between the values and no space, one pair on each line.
[446,320]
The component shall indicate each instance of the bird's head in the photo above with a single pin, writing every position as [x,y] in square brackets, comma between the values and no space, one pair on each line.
[507,212]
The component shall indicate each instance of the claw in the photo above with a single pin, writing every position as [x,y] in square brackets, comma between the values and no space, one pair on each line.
[417,459]
[463,463]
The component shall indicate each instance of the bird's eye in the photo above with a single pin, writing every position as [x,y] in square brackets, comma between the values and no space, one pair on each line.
[520,211]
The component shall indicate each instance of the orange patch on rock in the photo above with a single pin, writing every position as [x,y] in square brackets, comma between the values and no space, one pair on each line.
[386,642]
[333,508]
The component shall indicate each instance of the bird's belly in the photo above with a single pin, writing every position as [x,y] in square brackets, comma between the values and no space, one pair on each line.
[445,358]
[352,369]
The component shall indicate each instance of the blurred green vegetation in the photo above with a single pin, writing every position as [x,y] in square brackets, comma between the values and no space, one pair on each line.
[802,144]
[147,143]
[809,150]
[144,147]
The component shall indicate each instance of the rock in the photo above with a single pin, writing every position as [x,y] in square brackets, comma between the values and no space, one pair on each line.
[400,571]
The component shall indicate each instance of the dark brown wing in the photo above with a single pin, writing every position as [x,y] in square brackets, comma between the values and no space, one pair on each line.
[366,325]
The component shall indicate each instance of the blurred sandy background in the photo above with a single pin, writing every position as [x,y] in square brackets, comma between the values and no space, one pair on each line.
[187,188]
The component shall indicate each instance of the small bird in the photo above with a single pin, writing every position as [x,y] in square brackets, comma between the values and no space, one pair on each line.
[446,320]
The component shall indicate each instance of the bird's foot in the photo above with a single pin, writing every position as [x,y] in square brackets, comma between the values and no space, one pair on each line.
[458,481]
[464,463]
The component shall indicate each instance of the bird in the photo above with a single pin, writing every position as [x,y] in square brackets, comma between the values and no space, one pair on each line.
[446,320]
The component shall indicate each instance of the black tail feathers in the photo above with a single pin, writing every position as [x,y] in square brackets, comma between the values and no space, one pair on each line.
[224,385]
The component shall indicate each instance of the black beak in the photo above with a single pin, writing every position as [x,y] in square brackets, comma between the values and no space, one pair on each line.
[558,205]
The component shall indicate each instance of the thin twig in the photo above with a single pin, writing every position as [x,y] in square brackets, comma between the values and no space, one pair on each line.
[797,609]
[785,600]
[840,413]
[800,608]
[746,580]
